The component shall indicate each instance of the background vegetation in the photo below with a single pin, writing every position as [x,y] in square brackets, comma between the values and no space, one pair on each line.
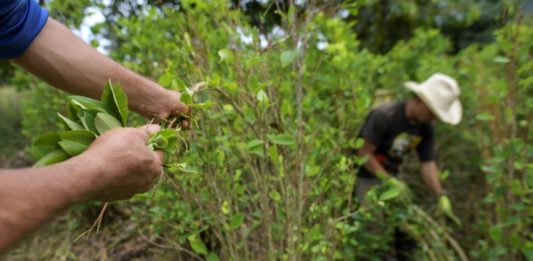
[268,170]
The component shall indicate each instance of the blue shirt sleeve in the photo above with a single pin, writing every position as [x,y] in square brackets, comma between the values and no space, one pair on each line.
[20,22]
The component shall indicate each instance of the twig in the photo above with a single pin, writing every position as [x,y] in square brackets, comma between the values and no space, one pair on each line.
[96,224]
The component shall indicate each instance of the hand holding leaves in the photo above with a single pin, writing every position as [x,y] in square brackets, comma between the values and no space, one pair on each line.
[400,189]
[87,119]
[446,208]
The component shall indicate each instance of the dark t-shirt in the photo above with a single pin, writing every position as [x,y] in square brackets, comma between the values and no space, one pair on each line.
[394,136]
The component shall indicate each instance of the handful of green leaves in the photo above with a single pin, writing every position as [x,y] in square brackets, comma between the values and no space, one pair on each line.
[86,119]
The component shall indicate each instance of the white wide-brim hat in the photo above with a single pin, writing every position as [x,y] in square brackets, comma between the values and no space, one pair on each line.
[440,93]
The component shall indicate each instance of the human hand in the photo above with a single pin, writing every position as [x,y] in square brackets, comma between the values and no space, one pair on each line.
[168,105]
[122,163]
[404,194]
[446,208]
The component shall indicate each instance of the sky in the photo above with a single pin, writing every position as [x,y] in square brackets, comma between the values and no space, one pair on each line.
[84,32]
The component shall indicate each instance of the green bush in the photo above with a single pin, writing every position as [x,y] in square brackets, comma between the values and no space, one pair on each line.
[267,173]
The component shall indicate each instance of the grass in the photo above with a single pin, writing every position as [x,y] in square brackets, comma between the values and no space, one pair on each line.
[12,142]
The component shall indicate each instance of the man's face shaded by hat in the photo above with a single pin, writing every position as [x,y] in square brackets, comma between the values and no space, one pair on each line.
[422,114]
[440,94]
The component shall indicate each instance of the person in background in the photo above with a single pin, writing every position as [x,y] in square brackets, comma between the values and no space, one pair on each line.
[117,165]
[392,130]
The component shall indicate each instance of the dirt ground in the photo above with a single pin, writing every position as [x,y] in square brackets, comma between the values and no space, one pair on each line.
[118,239]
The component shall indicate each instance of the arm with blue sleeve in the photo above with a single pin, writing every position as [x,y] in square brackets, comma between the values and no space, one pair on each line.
[20,22]
[49,50]
[116,166]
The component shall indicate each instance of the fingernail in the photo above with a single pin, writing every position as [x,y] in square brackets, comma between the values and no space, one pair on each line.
[153,128]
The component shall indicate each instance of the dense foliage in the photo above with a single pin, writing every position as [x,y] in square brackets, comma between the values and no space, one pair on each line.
[267,171]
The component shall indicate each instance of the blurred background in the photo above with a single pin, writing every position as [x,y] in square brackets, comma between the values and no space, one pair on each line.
[311,69]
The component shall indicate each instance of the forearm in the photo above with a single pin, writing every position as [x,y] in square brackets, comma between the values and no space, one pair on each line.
[429,173]
[66,62]
[29,197]
[374,167]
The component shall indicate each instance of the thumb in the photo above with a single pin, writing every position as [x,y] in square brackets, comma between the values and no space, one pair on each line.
[149,130]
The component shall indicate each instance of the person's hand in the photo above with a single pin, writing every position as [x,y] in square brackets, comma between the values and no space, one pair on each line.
[446,208]
[169,106]
[404,194]
[122,164]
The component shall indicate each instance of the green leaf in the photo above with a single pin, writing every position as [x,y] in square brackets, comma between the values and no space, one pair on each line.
[158,142]
[212,257]
[81,136]
[104,122]
[55,156]
[202,105]
[274,195]
[70,124]
[281,139]
[496,234]
[389,194]
[178,84]
[501,59]
[87,119]
[288,57]
[226,55]
[45,144]
[249,115]
[262,98]
[121,101]
[312,170]
[76,141]
[254,143]
[116,102]
[87,103]
[166,79]
[236,221]
[72,110]
[72,148]
[197,245]
[359,143]
[165,140]
[484,116]
[528,251]
[186,98]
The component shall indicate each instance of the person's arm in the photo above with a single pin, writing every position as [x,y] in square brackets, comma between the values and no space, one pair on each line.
[429,173]
[116,166]
[372,164]
[63,60]
[372,132]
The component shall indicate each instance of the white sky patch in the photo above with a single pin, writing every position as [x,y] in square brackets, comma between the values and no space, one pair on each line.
[277,32]
[300,2]
[84,32]
[322,42]
[263,42]
[245,38]
[243,3]
[343,13]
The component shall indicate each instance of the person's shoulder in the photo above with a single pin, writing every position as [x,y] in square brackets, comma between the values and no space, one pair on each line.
[389,110]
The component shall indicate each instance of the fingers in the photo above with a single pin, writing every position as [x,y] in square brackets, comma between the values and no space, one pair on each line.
[183,108]
[148,130]
[160,156]
[185,124]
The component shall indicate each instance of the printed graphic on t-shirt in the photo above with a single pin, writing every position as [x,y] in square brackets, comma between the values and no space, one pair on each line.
[403,143]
